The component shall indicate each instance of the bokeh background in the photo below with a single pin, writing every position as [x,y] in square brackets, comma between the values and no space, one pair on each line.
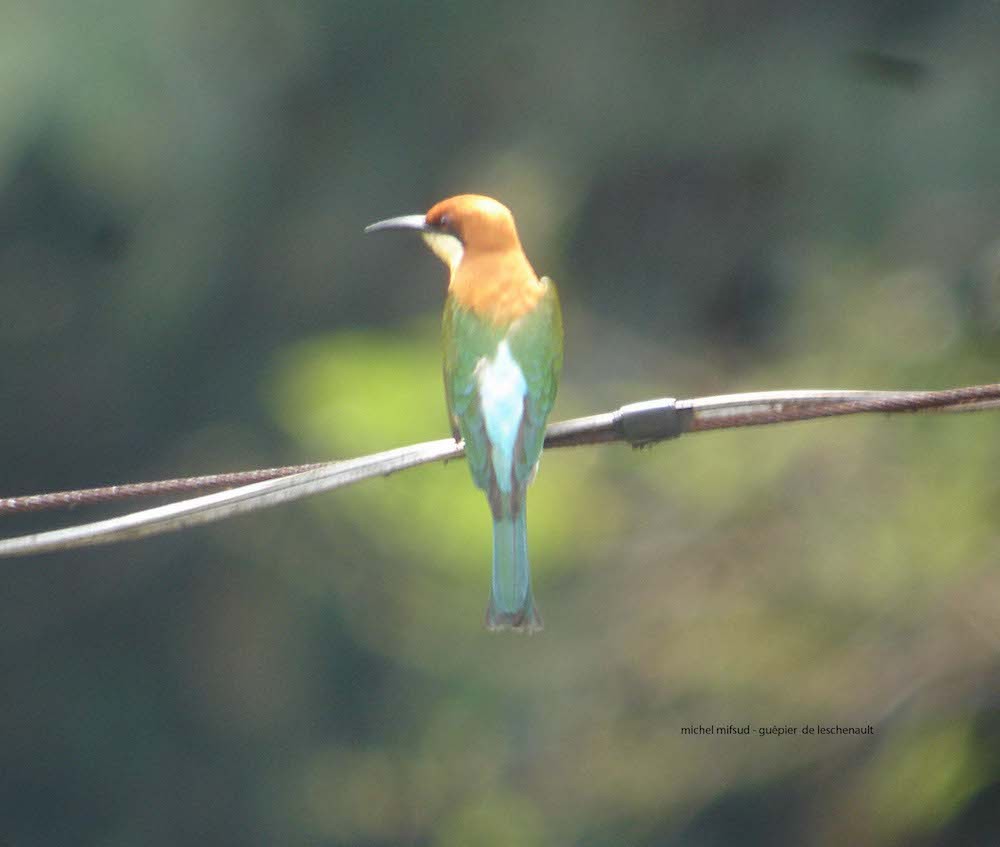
[731,197]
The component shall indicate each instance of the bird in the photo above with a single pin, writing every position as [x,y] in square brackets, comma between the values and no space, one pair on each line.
[502,336]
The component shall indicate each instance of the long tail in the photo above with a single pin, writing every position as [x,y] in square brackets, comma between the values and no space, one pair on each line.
[511,604]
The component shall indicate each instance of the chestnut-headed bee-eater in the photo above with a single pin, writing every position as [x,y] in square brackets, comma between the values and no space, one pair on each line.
[503,342]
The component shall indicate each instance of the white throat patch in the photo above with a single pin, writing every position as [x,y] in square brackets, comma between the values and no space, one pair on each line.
[446,247]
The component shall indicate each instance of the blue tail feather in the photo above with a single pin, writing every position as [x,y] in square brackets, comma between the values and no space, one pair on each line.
[511,603]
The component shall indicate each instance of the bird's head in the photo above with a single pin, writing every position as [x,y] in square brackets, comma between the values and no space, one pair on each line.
[466,225]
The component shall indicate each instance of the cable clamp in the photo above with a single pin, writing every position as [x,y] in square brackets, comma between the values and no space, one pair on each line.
[651,421]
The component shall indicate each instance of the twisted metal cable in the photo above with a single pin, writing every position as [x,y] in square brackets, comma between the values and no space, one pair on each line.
[638,424]
[132,490]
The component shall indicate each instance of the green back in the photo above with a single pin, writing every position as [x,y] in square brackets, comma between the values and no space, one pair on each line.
[535,342]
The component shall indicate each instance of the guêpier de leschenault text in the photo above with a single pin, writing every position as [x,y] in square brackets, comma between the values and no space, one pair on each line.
[774,729]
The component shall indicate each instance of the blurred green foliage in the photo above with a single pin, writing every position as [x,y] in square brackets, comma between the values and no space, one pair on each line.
[769,195]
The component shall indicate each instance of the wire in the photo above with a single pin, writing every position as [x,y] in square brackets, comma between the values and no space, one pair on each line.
[638,424]
[132,490]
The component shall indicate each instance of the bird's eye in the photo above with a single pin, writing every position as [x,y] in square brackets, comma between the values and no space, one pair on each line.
[445,221]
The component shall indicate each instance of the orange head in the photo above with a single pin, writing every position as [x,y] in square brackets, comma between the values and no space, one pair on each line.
[476,237]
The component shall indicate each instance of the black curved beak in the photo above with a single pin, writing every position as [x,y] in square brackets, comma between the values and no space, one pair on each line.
[417,222]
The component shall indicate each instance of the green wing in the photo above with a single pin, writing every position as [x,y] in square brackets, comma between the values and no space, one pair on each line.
[467,339]
[536,343]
